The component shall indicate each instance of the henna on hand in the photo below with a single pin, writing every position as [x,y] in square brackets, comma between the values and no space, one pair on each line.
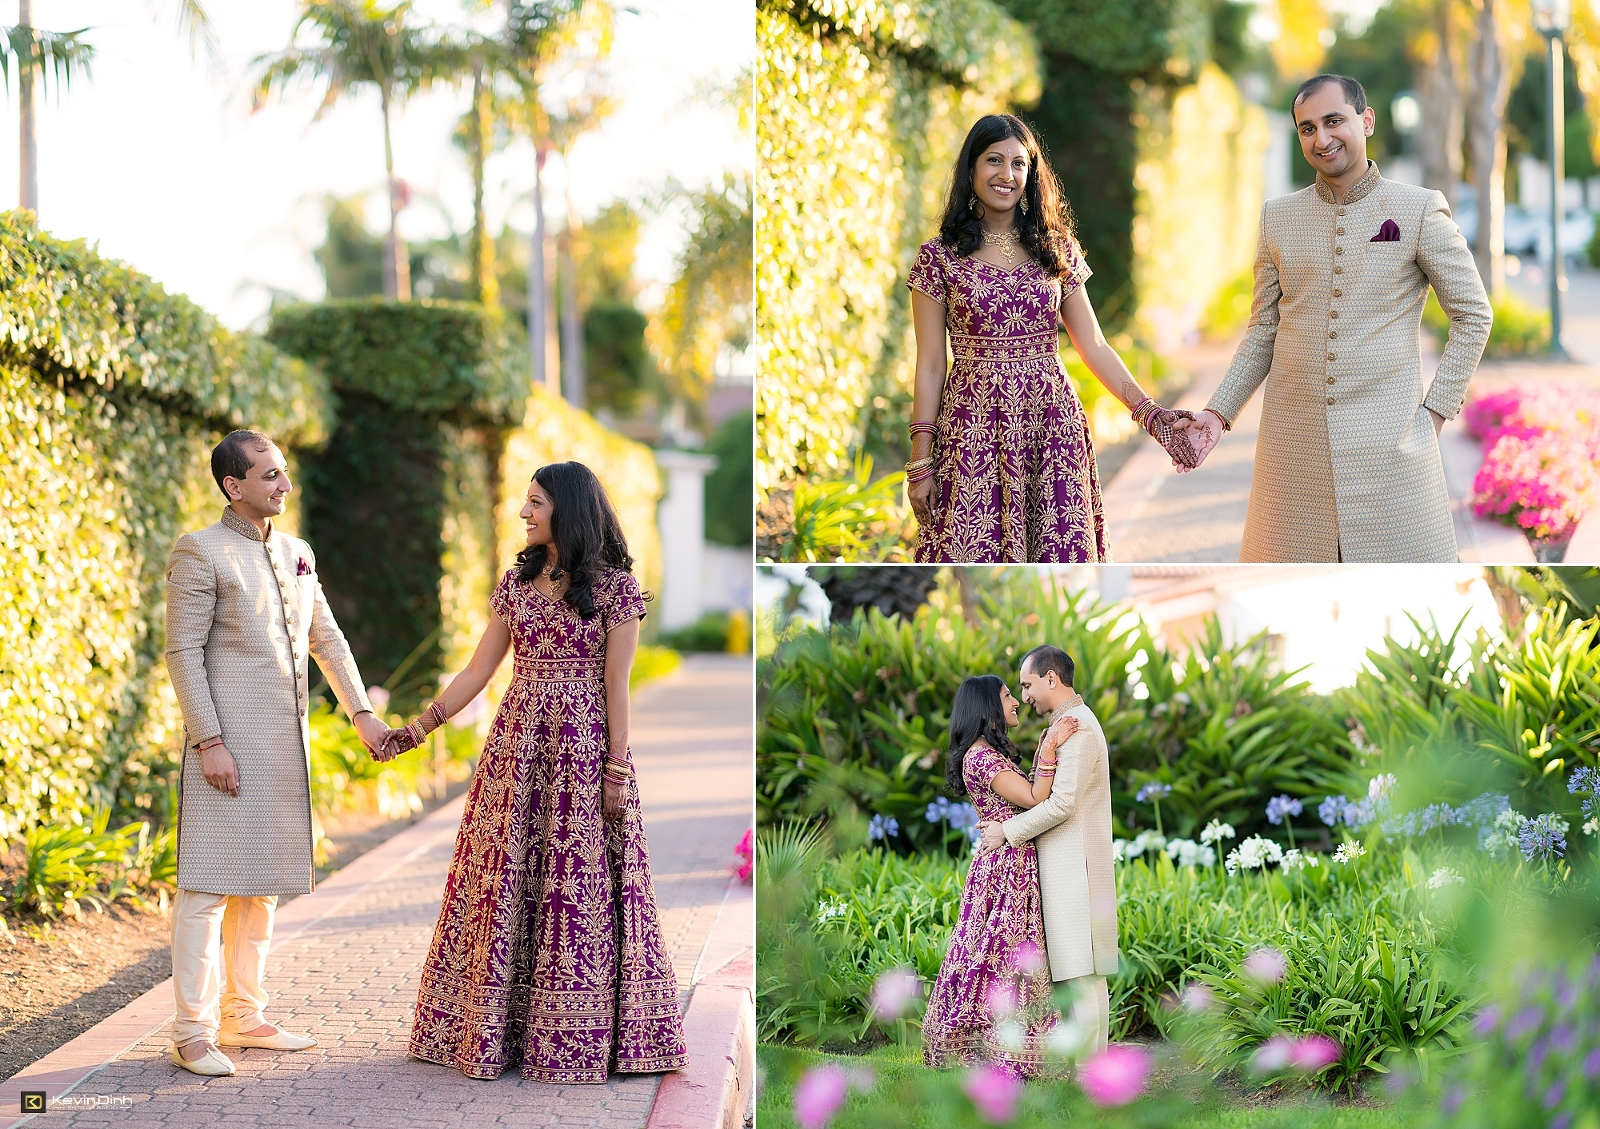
[1159,424]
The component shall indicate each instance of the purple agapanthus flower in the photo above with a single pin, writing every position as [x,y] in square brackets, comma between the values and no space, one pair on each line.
[1528,1019]
[883,828]
[1332,810]
[1544,838]
[1281,806]
[1155,790]
[1587,780]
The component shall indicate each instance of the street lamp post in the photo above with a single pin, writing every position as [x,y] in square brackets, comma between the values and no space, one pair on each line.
[1551,18]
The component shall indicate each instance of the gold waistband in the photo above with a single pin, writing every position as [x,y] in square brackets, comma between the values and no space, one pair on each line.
[1022,347]
[560,670]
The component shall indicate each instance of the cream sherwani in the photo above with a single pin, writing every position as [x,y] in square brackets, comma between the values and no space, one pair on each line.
[1071,831]
[1347,466]
[243,613]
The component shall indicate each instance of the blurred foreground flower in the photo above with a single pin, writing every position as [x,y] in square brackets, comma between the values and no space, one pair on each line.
[1265,965]
[894,992]
[1028,958]
[1311,1053]
[819,1096]
[1116,1075]
[995,1093]
[747,854]
[1002,999]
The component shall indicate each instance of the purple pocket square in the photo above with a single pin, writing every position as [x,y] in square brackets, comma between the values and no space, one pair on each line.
[303,568]
[1388,233]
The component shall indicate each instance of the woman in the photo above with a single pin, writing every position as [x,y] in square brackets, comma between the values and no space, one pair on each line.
[1002,466]
[994,971]
[548,950]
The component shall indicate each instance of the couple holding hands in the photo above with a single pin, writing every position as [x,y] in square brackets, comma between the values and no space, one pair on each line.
[548,950]
[1347,464]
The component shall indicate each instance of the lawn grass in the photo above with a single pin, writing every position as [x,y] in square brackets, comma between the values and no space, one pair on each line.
[781,1066]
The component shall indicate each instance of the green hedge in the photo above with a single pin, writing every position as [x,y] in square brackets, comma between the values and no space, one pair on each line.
[401,502]
[861,108]
[112,393]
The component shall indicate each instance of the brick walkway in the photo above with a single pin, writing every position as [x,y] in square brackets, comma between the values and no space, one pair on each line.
[345,960]
[1156,516]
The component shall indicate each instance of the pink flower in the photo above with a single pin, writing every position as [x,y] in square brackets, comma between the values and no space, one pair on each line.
[995,1091]
[1002,999]
[1266,965]
[894,992]
[1313,1052]
[819,1096]
[1198,998]
[1116,1075]
[1273,1055]
[746,851]
[1028,958]
[1541,442]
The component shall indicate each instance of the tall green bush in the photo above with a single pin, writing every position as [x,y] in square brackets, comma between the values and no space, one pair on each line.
[112,393]
[861,108]
[401,502]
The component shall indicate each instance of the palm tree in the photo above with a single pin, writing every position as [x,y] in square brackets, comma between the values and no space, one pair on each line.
[1489,81]
[58,53]
[355,43]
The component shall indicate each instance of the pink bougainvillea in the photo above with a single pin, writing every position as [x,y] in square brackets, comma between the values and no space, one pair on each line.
[1541,440]
[747,856]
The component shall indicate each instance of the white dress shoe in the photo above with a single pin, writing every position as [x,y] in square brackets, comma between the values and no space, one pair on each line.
[212,1064]
[280,1041]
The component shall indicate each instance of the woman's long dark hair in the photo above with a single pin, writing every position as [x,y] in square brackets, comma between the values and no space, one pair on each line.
[1046,229]
[976,714]
[587,535]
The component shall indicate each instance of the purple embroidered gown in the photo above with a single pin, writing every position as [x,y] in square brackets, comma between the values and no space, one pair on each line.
[548,949]
[1000,913]
[1014,473]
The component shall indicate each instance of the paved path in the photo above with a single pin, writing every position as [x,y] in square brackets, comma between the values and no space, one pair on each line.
[345,959]
[1158,516]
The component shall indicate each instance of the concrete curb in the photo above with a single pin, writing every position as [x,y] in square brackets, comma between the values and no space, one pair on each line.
[719,1027]
[67,1067]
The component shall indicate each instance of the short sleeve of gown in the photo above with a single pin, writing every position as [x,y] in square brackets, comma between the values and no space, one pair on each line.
[1078,271]
[927,273]
[981,765]
[500,598]
[622,600]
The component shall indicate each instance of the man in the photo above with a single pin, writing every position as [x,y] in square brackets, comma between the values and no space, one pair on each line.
[1072,833]
[1347,462]
[244,607]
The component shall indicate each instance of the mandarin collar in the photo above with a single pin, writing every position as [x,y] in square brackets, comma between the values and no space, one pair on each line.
[1074,700]
[1358,190]
[242,527]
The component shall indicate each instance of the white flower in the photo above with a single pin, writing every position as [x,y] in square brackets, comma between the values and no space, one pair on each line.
[1151,841]
[1010,1035]
[1380,786]
[1216,831]
[1348,852]
[829,910]
[1501,837]
[1445,876]
[1253,854]
[1186,852]
[1065,1039]
[1295,859]
[1119,850]
[1592,826]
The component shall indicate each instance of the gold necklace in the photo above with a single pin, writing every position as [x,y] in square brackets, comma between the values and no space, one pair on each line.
[1009,243]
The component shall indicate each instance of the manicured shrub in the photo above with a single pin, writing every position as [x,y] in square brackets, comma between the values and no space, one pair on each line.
[112,393]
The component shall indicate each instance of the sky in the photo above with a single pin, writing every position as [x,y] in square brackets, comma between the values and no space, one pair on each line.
[158,159]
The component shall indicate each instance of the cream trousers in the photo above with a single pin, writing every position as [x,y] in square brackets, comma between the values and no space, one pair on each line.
[214,987]
[1091,1012]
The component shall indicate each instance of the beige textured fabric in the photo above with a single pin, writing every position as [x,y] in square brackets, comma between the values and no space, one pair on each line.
[214,983]
[1091,1012]
[242,616]
[1072,833]
[1347,466]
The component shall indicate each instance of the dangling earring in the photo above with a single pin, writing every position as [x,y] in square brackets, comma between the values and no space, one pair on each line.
[1023,204]
[972,202]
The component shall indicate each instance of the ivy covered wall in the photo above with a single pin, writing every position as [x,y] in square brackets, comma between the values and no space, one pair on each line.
[861,108]
[112,393]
